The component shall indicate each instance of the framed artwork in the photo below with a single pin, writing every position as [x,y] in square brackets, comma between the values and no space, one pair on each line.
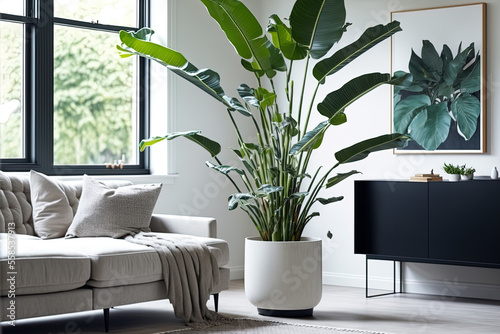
[441,53]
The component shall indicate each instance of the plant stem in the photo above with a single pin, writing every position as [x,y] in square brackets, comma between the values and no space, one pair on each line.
[302,94]
[310,108]
[289,84]
[235,127]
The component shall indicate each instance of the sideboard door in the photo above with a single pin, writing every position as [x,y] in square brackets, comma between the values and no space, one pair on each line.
[464,221]
[391,218]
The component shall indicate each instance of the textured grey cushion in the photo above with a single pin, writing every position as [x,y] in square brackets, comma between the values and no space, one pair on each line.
[105,212]
[115,262]
[43,266]
[15,204]
[52,212]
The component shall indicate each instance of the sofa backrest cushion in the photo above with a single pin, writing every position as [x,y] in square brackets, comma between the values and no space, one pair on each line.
[52,212]
[15,206]
[106,212]
[15,200]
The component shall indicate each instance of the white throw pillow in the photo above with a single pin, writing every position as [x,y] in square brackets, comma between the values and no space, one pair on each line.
[106,212]
[52,213]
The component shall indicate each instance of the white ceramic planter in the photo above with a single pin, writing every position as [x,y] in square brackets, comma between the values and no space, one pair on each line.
[283,278]
[454,177]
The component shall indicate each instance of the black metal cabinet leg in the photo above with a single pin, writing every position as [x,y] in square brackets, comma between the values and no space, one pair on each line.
[393,277]
[106,319]
[216,301]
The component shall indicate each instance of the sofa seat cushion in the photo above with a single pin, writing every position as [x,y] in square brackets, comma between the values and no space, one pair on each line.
[42,266]
[116,262]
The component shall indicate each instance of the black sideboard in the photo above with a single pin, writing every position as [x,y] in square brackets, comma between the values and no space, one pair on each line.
[436,222]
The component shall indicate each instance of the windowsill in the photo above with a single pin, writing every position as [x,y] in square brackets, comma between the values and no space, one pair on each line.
[151,178]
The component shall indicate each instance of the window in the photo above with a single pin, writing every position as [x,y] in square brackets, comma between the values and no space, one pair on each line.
[68,103]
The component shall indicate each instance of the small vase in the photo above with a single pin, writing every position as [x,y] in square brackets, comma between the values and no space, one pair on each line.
[454,177]
[494,173]
[467,177]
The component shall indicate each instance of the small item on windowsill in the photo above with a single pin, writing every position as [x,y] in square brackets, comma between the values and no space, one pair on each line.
[115,165]
[426,177]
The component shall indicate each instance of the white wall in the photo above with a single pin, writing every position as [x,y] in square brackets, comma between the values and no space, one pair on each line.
[198,191]
[195,190]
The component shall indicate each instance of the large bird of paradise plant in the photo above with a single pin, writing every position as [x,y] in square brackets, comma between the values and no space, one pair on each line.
[273,184]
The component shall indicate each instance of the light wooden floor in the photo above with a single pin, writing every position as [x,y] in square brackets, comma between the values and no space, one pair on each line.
[340,307]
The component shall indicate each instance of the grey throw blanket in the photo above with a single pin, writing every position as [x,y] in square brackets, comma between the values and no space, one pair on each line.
[190,272]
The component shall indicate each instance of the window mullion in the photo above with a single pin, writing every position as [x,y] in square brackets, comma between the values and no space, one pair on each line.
[43,86]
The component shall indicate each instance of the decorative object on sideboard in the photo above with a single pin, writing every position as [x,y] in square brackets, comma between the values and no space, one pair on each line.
[452,171]
[494,173]
[467,173]
[426,177]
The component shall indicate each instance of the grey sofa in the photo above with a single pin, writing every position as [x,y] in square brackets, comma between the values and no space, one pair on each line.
[55,276]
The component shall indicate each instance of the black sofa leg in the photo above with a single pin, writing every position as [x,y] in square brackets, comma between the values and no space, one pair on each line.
[106,319]
[216,302]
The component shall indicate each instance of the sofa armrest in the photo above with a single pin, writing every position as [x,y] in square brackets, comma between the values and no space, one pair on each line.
[197,226]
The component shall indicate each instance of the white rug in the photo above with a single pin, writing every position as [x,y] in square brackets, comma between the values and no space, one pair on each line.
[252,326]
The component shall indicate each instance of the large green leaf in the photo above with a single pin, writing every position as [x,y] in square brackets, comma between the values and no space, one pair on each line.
[242,29]
[455,66]
[283,40]
[446,56]
[249,67]
[338,100]
[298,195]
[405,85]
[318,24]
[431,57]
[223,169]
[407,109]
[419,69]
[339,178]
[371,37]
[362,149]
[466,110]
[431,126]
[471,78]
[139,43]
[334,104]
[234,104]
[239,198]
[268,189]
[247,94]
[211,146]
[265,97]
[309,140]
[205,79]
[276,58]
[326,201]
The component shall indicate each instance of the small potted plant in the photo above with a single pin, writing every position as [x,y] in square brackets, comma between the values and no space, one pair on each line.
[467,173]
[453,171]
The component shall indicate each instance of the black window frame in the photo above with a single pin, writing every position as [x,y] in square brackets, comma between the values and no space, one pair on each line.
[38,91]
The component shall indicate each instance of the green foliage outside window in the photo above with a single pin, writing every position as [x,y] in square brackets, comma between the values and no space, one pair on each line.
[10,90]
[95,114]
[93,107]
